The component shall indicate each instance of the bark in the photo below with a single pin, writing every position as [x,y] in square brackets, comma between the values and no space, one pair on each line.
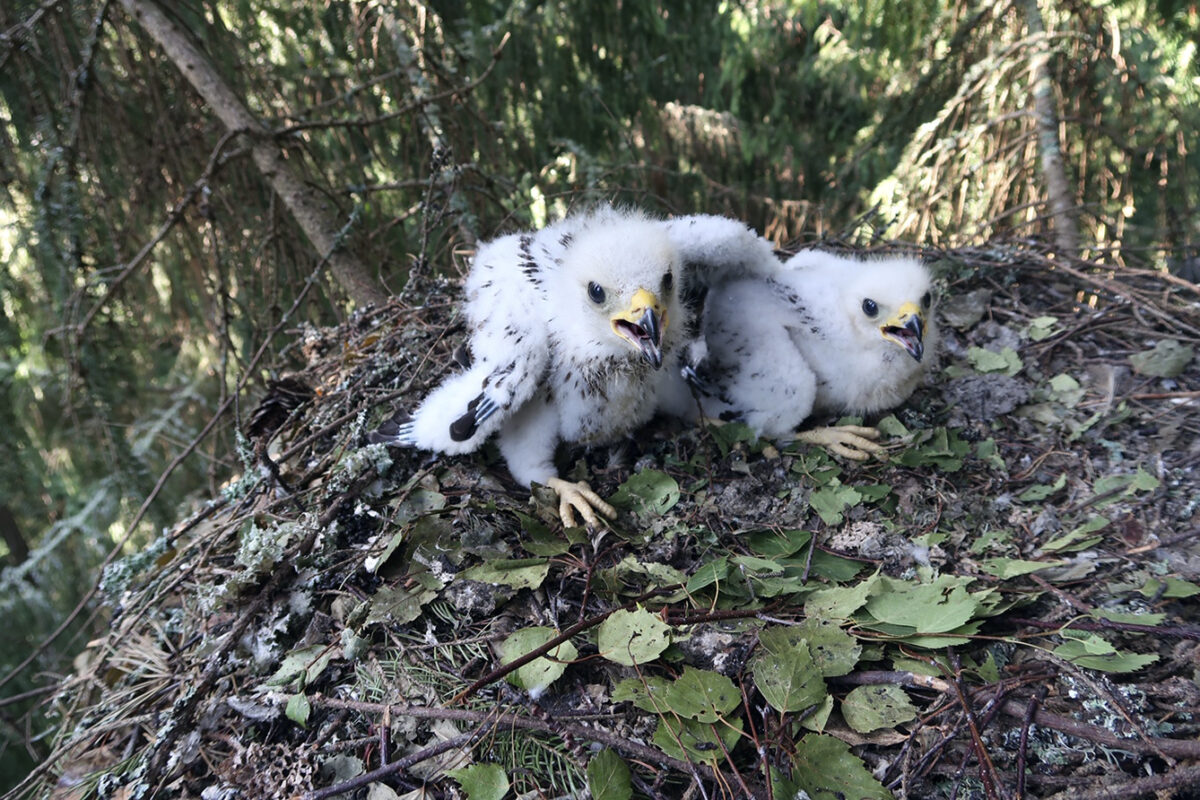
[312,212]
[1054,173]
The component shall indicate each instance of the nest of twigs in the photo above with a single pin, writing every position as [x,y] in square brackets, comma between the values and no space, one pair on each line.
[338,621]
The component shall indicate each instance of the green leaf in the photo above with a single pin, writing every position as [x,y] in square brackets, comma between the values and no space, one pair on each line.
[418,503]
[776,543]
[481,781]
[1170,587]
[934,641]
[940,448]
[869,708]
[1091,651]
[519,573]
[647,492]
[825,769]
[1078,539]
[890,426]
[1143,482]
[714,571]
[1066,390]
[989,670]
[536,676]
[399,604]
[829,501]
[303,666]
[817,719]
[1042,328]
[1108,489]
[729,434]
[690,740]
[638,576]
[540,539]
[874,492]
[987,452]
[788,678]
[632,637]
[1041,491]
[834,651]
[648,693]
[1168,359]
[608,777]
[936,607]
[1005,568]
[702,695]
[1121,616]
[298,708]
[835,568]
[1006,361]
[840,602]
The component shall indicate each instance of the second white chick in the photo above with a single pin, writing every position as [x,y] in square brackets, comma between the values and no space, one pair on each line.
[825,333]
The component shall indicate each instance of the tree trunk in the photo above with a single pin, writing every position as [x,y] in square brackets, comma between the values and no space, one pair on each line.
[307,206]
[1058,191]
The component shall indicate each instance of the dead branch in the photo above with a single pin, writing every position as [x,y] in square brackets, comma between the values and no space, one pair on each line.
[558,727]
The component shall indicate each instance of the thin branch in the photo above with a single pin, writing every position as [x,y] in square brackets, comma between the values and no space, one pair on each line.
[456,93]
[1179,778]
[987,770]
[1023,746]
[214,162]
[424,754]
[507,720]
[538,652]
[307,205]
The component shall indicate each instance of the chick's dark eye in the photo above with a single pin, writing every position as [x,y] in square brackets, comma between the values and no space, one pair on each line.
[668,282]
[926,300]
[596,292]
[870,308]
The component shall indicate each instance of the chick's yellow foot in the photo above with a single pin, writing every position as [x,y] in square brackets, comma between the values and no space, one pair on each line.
[579,497]
[848,441]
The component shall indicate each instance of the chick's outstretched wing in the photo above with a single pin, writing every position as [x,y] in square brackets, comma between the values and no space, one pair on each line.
[509,355]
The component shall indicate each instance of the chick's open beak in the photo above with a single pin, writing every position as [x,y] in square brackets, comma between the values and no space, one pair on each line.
[642,325]
[907,329]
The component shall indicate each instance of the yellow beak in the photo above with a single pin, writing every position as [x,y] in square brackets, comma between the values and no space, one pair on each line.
[907,329]
[642,325]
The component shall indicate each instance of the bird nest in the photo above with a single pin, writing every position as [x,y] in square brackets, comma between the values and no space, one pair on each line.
[1000,608]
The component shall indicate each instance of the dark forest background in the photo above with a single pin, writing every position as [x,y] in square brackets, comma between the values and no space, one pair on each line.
[152,278]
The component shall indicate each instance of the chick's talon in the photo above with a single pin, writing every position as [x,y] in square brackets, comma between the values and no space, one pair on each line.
[579,497]
[848,441]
